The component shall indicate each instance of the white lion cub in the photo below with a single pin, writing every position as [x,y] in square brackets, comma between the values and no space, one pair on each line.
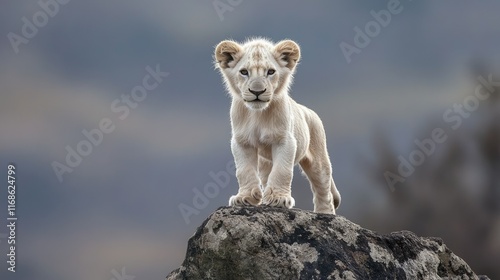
[270,131]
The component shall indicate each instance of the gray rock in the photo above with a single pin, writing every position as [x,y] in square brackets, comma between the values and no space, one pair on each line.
[274,243]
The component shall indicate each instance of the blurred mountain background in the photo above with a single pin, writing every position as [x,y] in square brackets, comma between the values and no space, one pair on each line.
[119,207]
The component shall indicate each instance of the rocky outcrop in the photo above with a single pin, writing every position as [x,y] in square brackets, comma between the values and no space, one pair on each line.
[273,243]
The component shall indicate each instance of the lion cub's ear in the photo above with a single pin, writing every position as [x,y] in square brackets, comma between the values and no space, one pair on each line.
[227,52]
[289,52]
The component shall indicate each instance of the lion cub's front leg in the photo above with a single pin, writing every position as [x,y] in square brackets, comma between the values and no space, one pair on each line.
[245,159]
[278,192]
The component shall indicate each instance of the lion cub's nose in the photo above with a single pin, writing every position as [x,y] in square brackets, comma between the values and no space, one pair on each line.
[257,92]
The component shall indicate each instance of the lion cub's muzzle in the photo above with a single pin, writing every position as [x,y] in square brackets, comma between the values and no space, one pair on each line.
[257,93]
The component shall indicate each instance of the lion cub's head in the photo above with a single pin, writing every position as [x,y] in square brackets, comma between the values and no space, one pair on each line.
[258,71]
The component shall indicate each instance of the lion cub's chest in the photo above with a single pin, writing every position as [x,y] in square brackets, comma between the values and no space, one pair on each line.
[257,133]
[255,136]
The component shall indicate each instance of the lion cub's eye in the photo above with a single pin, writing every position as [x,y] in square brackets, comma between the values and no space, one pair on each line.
[270,72]
[244,72]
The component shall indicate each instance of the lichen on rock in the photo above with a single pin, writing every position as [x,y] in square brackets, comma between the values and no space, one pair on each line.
[274,243]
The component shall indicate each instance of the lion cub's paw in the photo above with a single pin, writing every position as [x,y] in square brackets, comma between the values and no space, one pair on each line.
[246,200]
[274,200]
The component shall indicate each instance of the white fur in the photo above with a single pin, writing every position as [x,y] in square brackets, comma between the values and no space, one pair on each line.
[270,131]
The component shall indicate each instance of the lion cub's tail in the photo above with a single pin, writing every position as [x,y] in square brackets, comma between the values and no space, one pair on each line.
[336,194]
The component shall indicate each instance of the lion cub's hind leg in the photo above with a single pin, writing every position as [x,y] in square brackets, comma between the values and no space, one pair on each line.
[318,172]
[265,167]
